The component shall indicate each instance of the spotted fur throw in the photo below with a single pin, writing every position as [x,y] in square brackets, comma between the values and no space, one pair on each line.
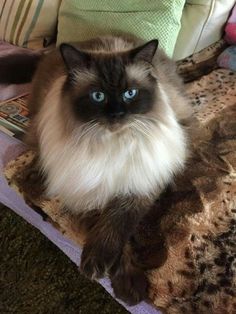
[187,242]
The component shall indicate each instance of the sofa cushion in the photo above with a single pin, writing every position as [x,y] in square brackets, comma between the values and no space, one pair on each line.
[202,24]
[82,20]
[28,23]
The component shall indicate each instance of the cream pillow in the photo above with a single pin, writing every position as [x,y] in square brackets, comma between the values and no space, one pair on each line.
[202,24]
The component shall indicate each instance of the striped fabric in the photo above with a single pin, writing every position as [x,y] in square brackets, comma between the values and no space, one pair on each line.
[27,22]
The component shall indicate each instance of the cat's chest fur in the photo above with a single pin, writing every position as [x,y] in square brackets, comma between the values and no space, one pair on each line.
[87,173]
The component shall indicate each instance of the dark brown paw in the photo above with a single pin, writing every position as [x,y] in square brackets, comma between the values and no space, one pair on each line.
[130,285]
[32,180]
[96,260]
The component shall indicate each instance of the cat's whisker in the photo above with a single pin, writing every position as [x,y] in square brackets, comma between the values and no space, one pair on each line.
[144,127]
[85,130]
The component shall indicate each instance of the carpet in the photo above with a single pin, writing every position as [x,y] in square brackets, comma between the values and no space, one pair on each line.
[36,277]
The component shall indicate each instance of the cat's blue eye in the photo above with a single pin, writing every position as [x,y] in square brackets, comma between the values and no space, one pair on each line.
[98,96]
[130,94]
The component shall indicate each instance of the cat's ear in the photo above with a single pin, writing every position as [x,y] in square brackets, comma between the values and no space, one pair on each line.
[145,52]
[73,57]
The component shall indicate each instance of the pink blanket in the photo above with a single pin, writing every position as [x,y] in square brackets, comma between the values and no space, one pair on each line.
[230,29]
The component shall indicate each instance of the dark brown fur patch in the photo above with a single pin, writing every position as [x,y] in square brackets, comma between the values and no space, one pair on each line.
[106,239]
[129,282]
[18,68]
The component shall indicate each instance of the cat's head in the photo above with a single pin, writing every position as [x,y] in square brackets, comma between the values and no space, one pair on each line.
[109,87]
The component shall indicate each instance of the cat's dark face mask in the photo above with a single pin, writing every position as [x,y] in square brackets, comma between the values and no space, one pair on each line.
[109,87]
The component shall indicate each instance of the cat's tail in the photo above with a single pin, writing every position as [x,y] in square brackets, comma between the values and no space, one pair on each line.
[18,68]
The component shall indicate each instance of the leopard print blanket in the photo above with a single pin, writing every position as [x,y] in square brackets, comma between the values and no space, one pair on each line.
[188,241]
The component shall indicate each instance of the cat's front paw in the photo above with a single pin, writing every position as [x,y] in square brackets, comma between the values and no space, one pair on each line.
[96,261]
[130,285]
[128,279]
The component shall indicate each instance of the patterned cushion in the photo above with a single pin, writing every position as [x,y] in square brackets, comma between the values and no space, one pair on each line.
[81,20]
[28,22]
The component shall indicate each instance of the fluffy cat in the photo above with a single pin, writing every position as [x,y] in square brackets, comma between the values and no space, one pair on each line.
[107,122]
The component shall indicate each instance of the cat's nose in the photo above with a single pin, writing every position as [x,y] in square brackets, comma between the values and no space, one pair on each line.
[118,114]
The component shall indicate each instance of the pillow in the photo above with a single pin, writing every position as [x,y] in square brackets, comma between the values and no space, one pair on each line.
[28,23]
[81,20]
[202,24]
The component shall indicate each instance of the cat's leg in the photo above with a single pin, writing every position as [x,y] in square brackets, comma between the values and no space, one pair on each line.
[106,240]
[128,278]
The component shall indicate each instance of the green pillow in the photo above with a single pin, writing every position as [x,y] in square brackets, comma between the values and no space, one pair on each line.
[82,20]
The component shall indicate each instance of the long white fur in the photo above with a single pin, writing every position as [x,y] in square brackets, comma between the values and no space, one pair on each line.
[94,164]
